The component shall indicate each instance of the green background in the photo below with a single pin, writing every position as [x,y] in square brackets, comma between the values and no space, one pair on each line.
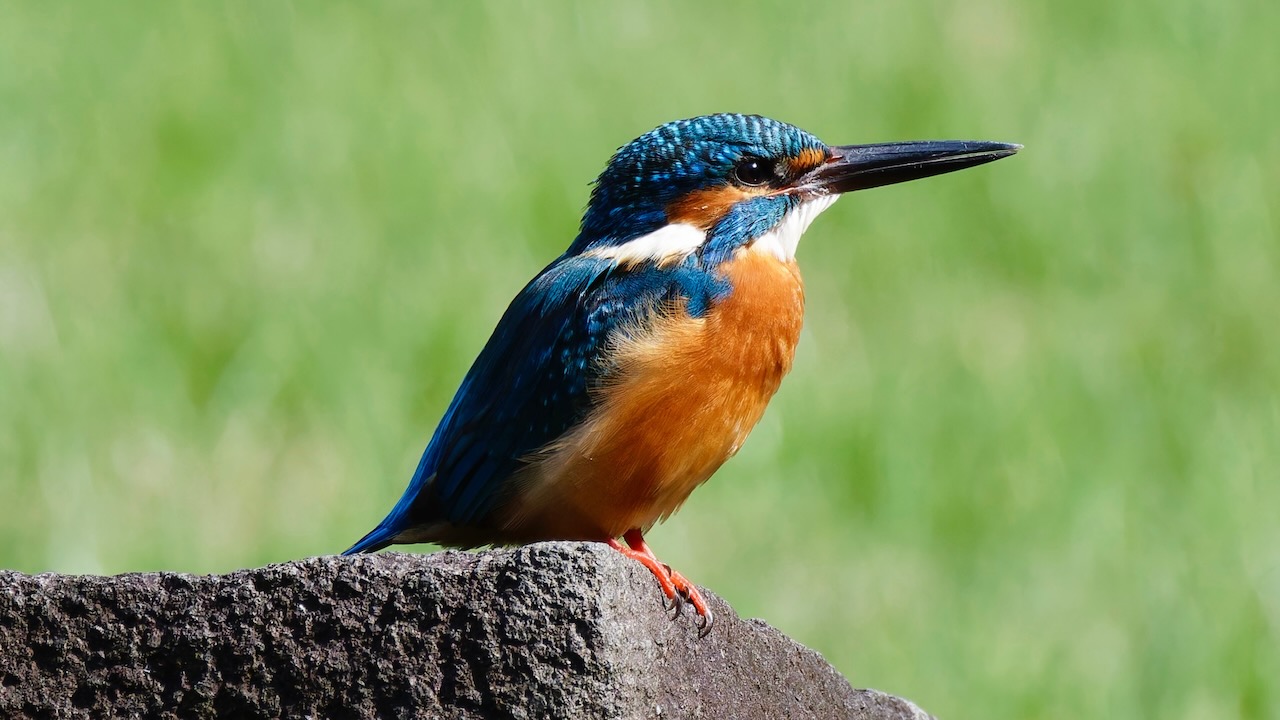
[1025,465]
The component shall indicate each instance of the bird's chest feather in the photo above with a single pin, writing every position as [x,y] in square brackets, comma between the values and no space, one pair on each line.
[681,397]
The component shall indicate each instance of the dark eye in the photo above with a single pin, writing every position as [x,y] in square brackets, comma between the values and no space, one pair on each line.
[753,171]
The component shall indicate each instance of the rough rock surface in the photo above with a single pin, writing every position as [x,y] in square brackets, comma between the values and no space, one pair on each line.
[556,630]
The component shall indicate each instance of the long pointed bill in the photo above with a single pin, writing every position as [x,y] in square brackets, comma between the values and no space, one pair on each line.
[858,167]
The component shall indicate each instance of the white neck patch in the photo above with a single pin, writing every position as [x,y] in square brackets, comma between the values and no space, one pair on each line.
[674,242]
[666,244]
[782,240]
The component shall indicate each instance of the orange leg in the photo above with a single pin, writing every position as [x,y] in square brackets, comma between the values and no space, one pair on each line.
[675,586]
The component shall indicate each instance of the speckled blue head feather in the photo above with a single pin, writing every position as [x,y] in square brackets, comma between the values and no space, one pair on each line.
[647,175]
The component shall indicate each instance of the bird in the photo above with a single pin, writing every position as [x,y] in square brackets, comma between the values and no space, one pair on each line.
[635,364]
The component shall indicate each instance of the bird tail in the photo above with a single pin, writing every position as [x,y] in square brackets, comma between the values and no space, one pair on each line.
[407,513]
[377,539]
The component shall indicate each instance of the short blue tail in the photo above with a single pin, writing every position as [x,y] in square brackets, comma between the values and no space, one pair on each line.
[377,539]
[407,511]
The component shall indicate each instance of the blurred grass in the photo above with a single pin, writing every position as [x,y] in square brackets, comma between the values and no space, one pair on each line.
[1026,465]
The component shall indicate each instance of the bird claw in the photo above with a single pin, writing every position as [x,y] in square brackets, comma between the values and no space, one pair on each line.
[704,624]
[689,591]
[676,588]
[673,605]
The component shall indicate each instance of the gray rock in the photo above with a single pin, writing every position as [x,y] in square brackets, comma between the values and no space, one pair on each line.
[555,630]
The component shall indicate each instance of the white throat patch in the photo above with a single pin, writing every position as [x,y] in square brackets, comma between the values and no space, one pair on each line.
[782,240]
[668,243]
[674,242]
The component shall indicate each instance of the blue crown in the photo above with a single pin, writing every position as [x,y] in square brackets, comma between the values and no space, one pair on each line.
[631,196]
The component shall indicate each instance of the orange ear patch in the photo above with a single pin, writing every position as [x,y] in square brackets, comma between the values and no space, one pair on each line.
[704,208]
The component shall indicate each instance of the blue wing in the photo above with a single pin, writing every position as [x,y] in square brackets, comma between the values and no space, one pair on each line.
[531,383]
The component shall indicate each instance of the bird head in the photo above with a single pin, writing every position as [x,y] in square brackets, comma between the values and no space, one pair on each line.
[713,184]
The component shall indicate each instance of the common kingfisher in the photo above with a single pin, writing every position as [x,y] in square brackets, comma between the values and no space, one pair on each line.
[635,364]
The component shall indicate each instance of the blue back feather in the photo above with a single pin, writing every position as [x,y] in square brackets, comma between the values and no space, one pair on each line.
[533,381]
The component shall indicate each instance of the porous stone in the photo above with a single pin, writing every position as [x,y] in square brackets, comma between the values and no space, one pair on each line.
[554,630]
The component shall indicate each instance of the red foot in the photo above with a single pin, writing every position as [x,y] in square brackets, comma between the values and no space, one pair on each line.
[675,586]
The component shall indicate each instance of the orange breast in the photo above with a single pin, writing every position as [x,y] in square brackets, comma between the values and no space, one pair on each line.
[688,391]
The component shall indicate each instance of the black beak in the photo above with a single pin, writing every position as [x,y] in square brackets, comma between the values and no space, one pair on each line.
[858,167]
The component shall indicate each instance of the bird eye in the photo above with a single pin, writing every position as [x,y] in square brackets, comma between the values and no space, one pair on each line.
[753,171]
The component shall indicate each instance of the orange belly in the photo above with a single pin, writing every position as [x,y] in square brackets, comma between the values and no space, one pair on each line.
[688,391]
